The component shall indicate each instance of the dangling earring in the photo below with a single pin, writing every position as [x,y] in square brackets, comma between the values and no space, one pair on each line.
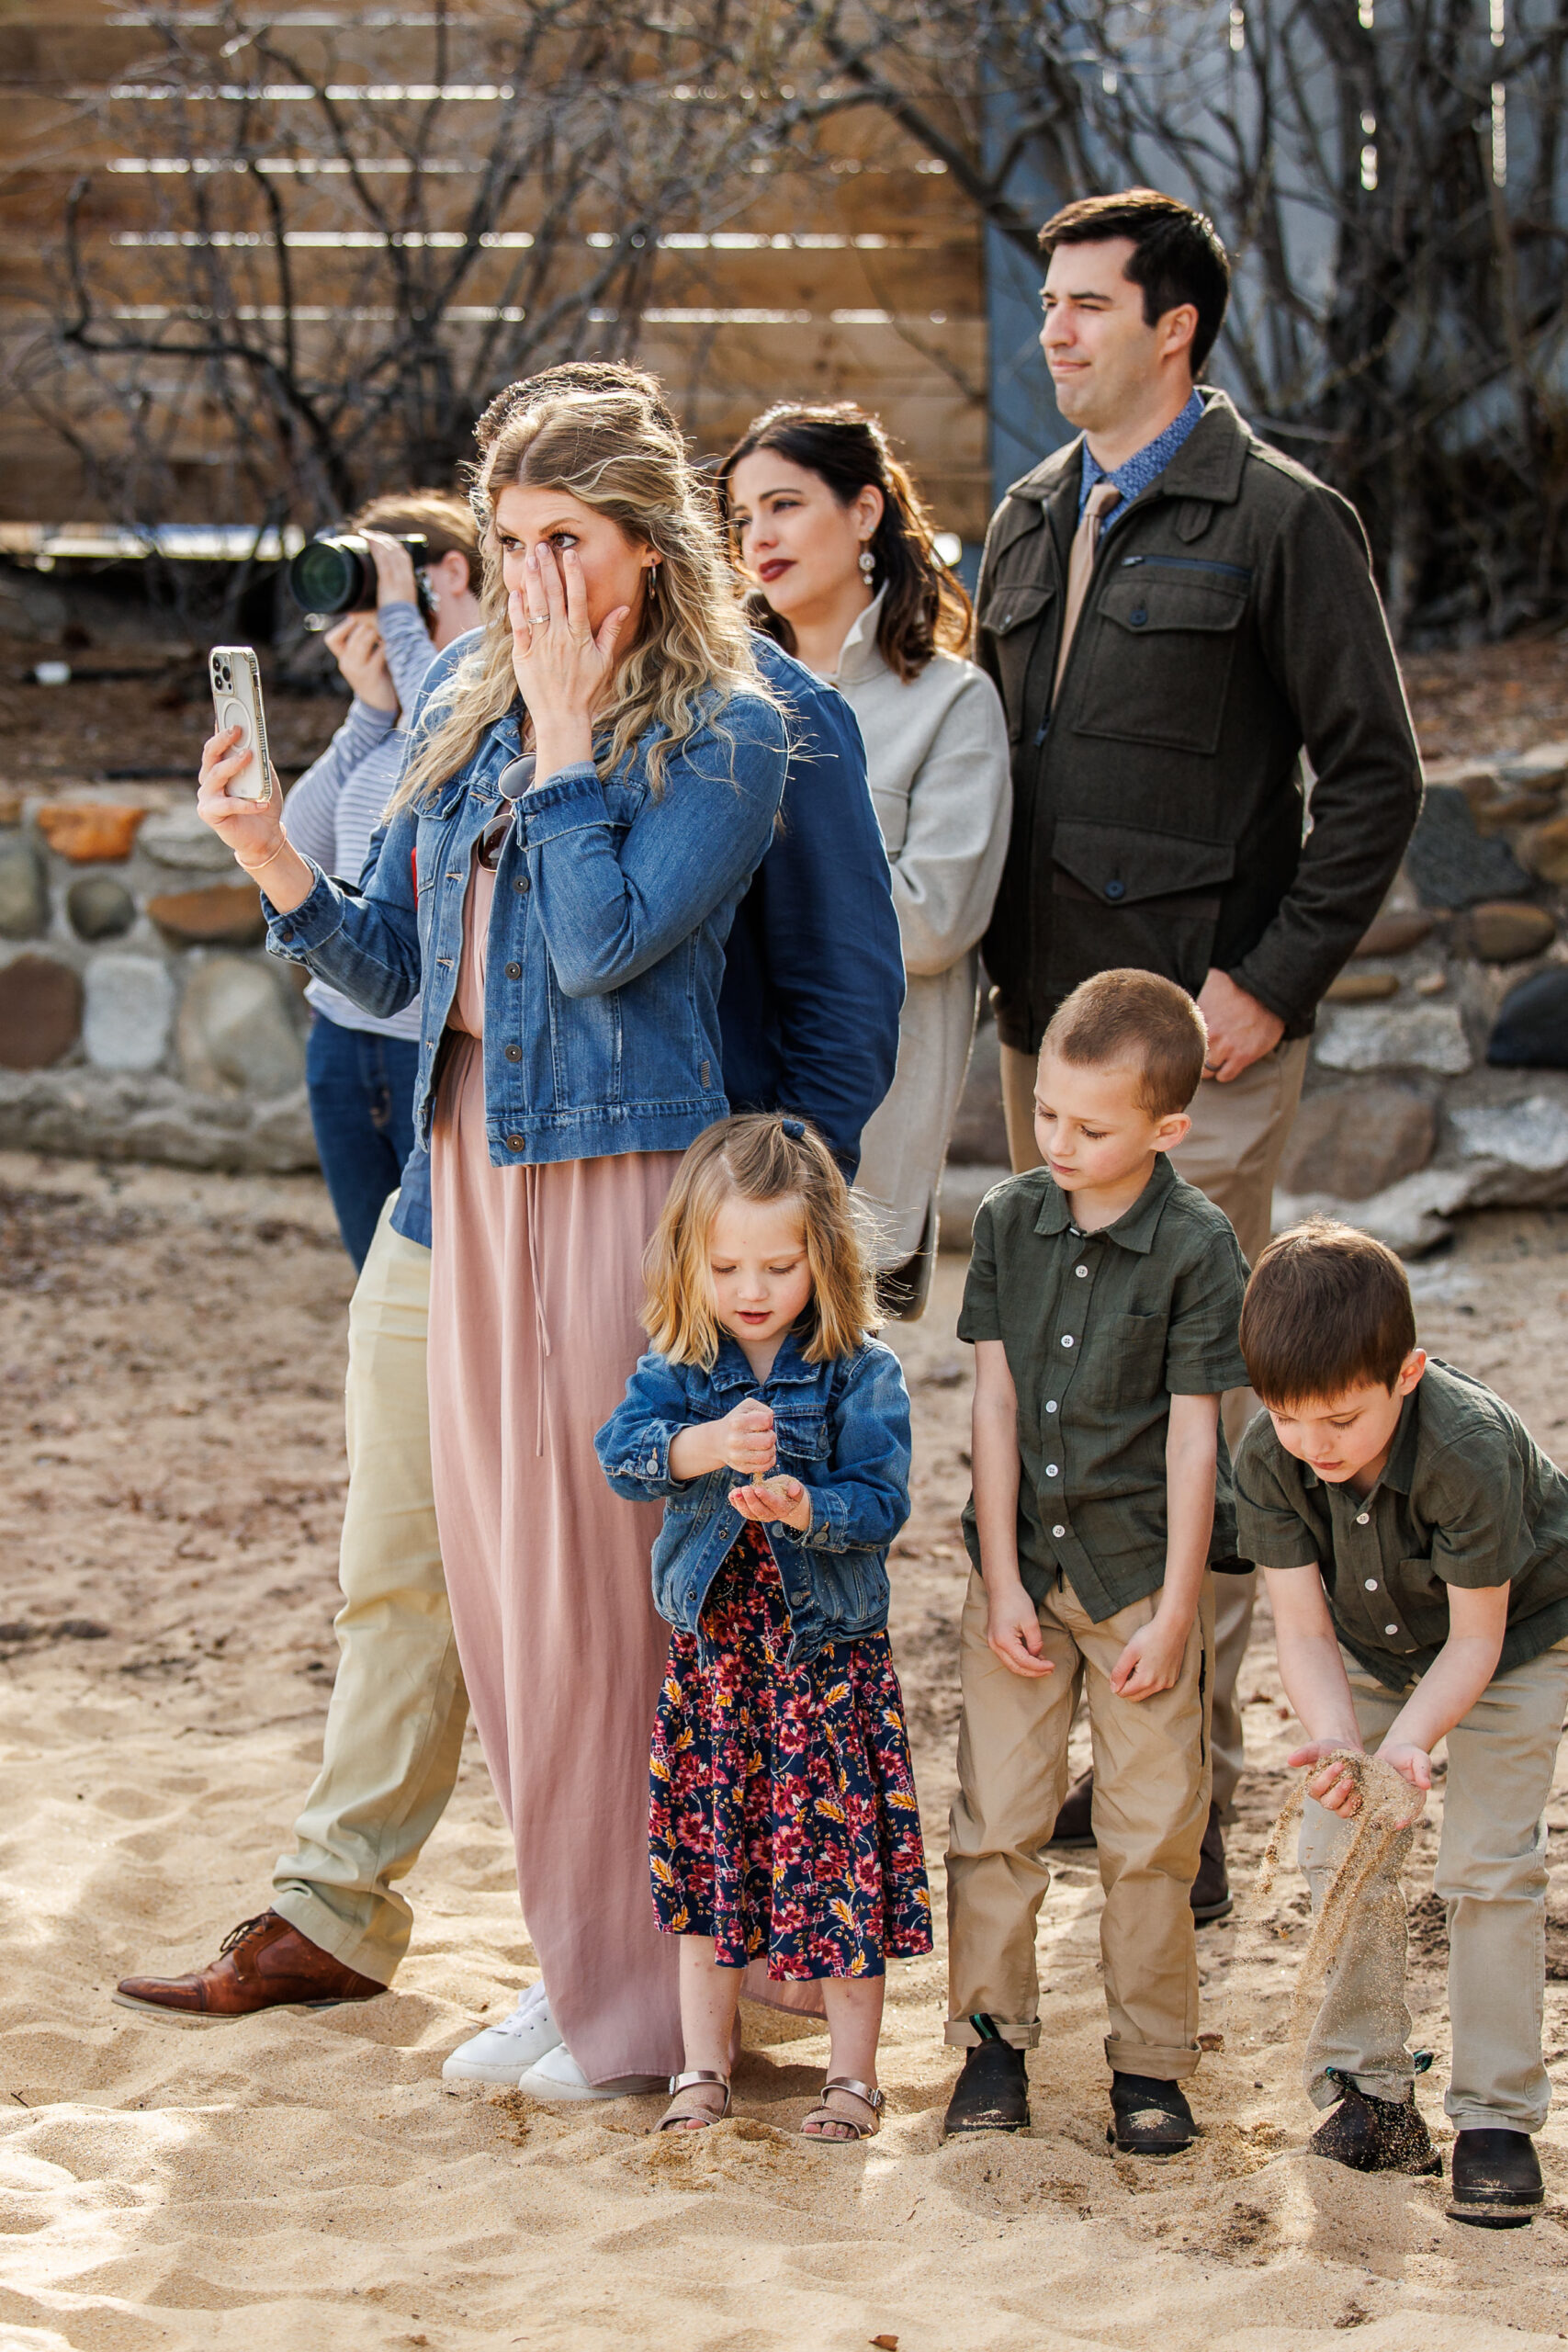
[867,564]
[653,580]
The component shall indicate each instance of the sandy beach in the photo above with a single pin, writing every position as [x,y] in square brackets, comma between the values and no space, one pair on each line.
[171,1472]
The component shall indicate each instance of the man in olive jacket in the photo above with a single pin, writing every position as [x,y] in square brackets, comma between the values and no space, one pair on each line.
[1174,612]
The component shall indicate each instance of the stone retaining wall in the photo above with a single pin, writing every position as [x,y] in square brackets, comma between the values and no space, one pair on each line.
[139,1017]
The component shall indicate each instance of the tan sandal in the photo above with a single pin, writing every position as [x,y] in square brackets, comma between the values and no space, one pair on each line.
[694,2118]
[849,2131]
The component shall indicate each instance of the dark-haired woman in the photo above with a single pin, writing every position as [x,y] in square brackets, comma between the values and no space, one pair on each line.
[830,528]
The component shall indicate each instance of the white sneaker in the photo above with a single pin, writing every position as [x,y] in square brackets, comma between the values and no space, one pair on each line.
[558,2076]
[503,2053]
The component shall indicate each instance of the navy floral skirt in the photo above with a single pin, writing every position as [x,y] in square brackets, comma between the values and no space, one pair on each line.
[783,1820]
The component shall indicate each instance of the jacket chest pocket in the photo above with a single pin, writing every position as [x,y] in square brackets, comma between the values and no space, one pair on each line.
[1164,645]
[1016,618]
[801,1436]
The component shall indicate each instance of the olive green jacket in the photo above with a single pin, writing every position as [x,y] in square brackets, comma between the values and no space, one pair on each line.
[1232,620]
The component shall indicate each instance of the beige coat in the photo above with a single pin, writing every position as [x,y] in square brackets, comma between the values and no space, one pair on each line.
[937,755]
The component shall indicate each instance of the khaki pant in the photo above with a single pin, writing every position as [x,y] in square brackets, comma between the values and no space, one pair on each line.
[1492,1877]
[1151,1806]
[1232,1154]
[395,1726]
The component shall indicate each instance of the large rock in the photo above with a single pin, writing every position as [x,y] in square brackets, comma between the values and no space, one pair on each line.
[1356,1140]
[1361,988]
[1543,767]
[1394,1036]
[96,1115]
[235,1031]
[131,1004]
[178,838]
[40,1012]
[99,906]
[1393,934]
[24,889]
[226,914]
[90,832]
[1546,850]
[1531,1028]
[1505,931]
[1410,1216]
[1450,862]
[1531,1135]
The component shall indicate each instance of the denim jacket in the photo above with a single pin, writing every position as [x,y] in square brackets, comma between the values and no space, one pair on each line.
[842,1428]
[606,936]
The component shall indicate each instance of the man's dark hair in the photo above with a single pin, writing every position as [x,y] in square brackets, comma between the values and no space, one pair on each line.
[1327,1309]
[574,375]
[1178,259]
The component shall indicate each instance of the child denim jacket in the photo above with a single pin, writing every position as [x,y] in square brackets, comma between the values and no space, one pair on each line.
[842,1428]
[606,939]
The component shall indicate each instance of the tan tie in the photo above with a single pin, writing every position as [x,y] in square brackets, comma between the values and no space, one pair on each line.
[1080,565]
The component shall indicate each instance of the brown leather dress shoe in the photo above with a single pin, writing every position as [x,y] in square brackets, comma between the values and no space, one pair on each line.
[264,1964]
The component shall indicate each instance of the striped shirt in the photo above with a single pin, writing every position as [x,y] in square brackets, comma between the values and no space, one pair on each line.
[337,804]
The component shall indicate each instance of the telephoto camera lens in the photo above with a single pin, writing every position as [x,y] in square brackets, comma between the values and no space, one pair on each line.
[337,573]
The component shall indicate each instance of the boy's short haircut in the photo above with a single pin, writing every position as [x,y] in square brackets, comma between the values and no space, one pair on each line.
[1327,1310]
[1123,1020]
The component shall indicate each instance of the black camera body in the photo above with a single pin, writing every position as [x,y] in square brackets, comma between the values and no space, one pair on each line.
[336,573]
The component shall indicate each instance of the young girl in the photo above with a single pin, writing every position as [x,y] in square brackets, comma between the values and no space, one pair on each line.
[783,1825]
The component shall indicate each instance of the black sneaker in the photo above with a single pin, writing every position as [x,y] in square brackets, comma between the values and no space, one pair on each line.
[1152,2118]
[991,2094]
[1496,2180]
[1375,2134]
[1211,1896]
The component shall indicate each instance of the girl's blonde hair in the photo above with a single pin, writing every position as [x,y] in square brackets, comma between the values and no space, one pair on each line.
[610,450]
[758,1157]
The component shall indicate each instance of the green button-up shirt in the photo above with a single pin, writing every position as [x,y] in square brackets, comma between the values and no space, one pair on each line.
[1467,1498]
[1101,1329]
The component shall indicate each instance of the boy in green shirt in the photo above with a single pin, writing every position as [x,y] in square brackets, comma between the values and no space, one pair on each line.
[1416,1542]
[1103,1301]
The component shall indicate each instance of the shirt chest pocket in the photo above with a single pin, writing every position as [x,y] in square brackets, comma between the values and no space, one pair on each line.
[1124,1357]
[1163,647]
[1420,1591]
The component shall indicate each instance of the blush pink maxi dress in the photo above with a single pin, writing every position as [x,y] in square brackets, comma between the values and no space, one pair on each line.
[535,1282]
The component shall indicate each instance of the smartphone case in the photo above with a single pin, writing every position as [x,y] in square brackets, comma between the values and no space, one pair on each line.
[237,702]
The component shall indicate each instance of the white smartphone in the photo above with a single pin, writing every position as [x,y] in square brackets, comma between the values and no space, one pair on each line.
[237,702]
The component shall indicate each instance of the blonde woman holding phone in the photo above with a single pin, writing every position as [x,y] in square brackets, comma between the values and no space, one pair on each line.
[590,785]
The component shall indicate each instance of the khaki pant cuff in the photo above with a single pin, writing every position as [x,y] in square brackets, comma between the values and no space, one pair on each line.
[959,2034]
[347,1944]
[1466,2116]
[1162,2061]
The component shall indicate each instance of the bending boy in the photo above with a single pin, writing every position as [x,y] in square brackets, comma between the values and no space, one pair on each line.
[1102,1302]
[1416,1542]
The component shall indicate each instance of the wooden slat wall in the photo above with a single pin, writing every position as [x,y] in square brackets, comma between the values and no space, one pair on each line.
[896,323]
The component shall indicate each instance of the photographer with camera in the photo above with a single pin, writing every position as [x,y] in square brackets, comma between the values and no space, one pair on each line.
[360,1070]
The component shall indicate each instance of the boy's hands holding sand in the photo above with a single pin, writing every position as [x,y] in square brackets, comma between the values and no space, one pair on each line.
[1337,1786]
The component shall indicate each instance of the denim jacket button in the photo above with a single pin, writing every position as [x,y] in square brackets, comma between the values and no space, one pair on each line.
[286,931]
[514,1143]
[515,1052]
[521,886]
[515,971]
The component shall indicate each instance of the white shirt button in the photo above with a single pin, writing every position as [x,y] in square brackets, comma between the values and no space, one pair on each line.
[1371,1584]
[1391,1629]
[1080,1271]
[1059,1532]
[1051,1405]
[1066,1339]
[1362,1516]
[1052,1471]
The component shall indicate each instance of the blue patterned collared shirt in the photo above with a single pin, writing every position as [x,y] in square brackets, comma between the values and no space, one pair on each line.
[1142,467]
